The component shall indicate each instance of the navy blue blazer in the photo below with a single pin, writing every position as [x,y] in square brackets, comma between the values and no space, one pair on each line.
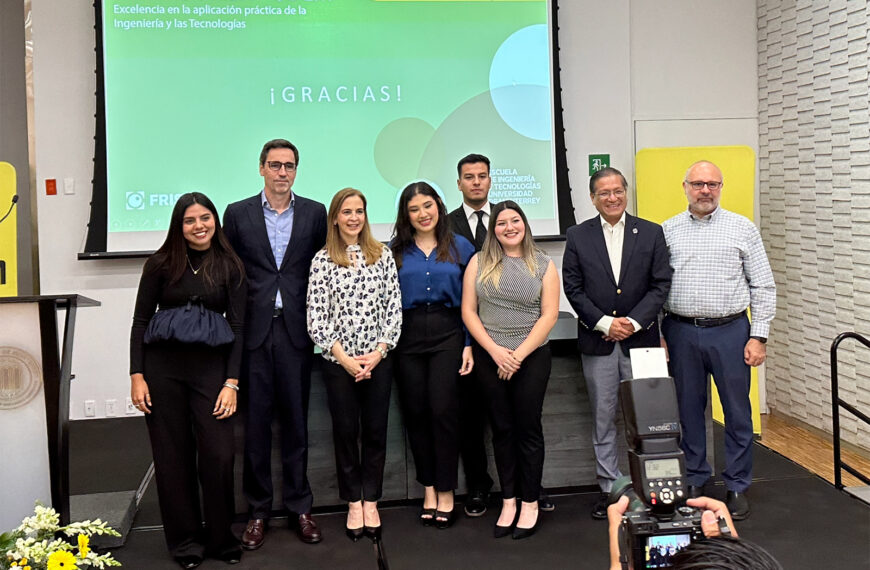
[245,226]
[644,281]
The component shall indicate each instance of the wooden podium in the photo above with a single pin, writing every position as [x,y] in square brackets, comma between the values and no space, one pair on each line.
[29,331]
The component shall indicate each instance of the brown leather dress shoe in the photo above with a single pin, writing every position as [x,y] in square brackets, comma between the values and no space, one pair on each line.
[307,529]
[254,534]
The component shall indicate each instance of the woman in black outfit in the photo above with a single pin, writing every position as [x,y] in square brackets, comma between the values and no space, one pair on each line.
[187,388]
[433,350]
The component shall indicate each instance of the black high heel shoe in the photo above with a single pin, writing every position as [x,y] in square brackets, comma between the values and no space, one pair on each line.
[445,519]
[520,533]
[427,516]
[373,532]
[354,534]
[503,531]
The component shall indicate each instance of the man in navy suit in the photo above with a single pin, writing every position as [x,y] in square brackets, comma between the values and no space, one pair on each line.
[617,275]
[276,233]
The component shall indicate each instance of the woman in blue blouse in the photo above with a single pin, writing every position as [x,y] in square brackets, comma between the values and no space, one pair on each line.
[433,350]
[355,317]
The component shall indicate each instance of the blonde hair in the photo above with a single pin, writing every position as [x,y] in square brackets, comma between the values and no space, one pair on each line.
[335,246]
[490,261]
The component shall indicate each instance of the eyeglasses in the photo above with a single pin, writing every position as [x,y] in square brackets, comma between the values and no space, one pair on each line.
[275,166]
[699,185]
[614,193]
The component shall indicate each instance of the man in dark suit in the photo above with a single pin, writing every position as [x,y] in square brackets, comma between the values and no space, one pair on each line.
[276,233]
[470,221]
[617,276]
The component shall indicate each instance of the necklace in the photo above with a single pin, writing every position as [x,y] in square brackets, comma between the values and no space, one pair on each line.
[189,264]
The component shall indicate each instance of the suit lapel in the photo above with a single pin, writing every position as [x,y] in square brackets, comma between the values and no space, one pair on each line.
[629,240]
[258,222]
[596,234]
[462,225]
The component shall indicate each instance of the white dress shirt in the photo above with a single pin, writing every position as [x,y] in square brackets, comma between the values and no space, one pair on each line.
[614,236]
[471,216]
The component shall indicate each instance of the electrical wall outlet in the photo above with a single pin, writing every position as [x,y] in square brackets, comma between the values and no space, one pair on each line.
[111,408]
[90,408]
[131,409]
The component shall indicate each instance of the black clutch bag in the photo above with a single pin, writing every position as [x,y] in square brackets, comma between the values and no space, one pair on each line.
[192,323]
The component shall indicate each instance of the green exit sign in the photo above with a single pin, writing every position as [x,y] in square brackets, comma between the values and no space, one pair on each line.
[597,162]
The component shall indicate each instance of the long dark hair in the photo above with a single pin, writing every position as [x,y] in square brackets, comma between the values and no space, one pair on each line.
[219,262]
[403,231]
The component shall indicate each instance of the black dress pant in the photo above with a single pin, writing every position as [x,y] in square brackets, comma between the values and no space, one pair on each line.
[277,382]
[359,413]
[515,408]
[191,447]
[427,363]
[472,431]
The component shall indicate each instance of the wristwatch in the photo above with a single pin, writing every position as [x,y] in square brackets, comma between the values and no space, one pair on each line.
[761,339]
[382,350]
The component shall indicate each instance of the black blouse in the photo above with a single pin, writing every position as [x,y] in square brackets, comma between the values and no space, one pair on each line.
[155,291]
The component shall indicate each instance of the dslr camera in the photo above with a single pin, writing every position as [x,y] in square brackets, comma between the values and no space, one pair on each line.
[658,523]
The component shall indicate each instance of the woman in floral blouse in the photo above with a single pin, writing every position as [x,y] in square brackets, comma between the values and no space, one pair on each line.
[355,317]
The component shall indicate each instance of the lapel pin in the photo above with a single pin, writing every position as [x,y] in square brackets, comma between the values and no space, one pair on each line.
[634,230]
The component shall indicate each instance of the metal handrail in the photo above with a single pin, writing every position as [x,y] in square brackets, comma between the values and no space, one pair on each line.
[836,404]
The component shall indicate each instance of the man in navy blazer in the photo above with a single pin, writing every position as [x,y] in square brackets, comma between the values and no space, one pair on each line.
[617,275]
[276,233]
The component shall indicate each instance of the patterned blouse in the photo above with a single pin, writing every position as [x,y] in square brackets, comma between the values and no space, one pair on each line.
[509,312]
[359,305]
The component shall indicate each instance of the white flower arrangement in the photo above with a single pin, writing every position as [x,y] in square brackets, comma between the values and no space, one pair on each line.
[39,543]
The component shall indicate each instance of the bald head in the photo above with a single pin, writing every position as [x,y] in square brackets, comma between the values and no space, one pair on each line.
[703,187]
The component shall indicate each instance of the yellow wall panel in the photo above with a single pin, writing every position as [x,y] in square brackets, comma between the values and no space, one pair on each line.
[8,233]
[660,173]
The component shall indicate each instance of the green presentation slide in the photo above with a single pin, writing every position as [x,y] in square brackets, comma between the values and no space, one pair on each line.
[375,93]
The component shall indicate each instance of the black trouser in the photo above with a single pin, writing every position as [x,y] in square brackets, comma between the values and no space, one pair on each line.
[359,461]
[472,430]
[278,382]
[188,444]
[427,368]
[515,407]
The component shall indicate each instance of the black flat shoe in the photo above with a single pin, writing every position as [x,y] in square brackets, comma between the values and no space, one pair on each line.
[373,532]
[427,517]
[738,505]
[475,504]
[354,533]
[445,519]
[188,562]
[231,557]
[599,509]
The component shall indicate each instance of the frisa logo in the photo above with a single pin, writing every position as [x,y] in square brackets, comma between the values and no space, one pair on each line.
[136,200]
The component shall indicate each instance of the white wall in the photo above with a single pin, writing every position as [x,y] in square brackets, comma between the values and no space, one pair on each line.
[814,123]
[621,61]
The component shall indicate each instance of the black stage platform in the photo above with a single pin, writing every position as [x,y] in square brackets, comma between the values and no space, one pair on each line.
[800,518]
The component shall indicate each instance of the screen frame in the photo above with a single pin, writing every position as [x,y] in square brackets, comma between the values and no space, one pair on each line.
[96,241]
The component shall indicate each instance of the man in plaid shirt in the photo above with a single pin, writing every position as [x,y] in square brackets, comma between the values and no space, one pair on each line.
[720,270]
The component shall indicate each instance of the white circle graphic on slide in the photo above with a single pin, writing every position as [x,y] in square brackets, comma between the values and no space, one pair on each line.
[20,378]
[519,82]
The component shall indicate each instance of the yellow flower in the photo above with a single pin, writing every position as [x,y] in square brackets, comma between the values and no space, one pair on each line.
[61,560]
[83,546]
